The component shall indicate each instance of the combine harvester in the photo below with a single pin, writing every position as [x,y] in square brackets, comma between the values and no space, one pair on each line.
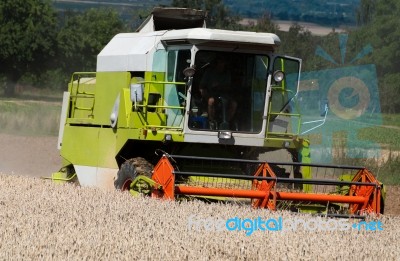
[147,105]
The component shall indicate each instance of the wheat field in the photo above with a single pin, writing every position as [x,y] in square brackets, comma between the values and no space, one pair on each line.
[41,220]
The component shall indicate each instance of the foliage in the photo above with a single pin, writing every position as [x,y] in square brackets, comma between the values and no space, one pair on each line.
[365,11]
[84,35]
[27,38]
[389,90]
[265,24]
[32,51]
[382,30]
[299,42]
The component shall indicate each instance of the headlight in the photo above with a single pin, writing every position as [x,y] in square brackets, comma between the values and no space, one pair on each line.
[189,71]
[279,76]
[225,135]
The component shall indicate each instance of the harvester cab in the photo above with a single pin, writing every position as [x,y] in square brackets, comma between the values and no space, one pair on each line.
[217,100]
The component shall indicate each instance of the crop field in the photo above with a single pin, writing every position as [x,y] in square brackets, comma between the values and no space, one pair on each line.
[47,221]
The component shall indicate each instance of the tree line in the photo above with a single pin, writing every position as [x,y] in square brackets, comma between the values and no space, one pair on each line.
[41,46]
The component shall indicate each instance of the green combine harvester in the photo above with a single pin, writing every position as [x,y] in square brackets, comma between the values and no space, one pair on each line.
[179,110]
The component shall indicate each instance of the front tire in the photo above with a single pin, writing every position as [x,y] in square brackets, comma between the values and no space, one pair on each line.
[129,170]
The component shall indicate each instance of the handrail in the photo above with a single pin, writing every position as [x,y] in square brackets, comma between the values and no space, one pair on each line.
[146,106]
[282,113]
[160,107]
[285,114]
[77,94]
[77,76]
[162,82]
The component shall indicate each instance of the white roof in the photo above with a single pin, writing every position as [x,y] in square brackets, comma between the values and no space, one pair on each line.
[207,35]
[134,51]
[127,52]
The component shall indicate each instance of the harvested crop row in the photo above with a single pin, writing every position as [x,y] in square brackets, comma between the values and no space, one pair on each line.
[42,220]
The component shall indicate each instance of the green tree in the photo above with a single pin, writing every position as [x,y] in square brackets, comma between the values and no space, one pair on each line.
[84,35]
[382,32]
[365,12]
[299,42]
[265,24]
[27,38]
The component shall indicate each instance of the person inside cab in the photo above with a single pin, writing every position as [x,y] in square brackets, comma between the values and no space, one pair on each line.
[216,87]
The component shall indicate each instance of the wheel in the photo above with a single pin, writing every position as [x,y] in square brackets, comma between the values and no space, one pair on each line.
[129,170]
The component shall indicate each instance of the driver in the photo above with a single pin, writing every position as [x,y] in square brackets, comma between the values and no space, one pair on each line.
[216,83]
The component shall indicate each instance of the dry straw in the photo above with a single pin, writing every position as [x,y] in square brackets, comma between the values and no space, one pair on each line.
[44,221]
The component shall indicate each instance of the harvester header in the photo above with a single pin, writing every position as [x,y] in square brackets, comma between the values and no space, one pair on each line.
[361,195]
